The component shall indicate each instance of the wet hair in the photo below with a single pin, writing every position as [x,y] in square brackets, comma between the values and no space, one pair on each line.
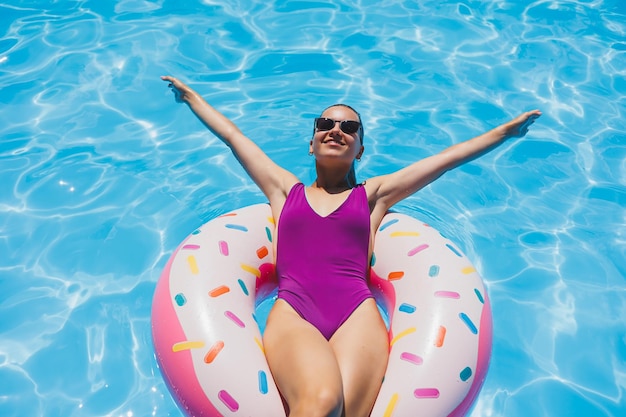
[352,174]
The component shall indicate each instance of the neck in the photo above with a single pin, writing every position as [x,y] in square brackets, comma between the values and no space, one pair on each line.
[331,189]
[334,179]
[332,185]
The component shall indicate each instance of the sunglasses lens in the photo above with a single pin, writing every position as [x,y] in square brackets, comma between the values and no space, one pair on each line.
[347,126]
[350,126]
[324,124]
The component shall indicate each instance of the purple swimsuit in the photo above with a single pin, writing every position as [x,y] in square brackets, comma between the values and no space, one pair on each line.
[322,262]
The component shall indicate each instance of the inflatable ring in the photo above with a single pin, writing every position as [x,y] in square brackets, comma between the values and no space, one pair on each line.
[207,332]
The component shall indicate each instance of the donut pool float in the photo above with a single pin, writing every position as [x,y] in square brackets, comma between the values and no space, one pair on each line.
[208,314]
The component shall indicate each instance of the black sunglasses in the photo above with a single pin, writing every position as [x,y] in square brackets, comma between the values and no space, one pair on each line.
[346,126]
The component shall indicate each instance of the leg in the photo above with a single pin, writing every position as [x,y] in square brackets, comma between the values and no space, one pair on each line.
[303,364]
[361,347]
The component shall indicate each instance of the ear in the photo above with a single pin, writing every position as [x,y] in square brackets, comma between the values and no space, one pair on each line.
[311,147]
[358,156]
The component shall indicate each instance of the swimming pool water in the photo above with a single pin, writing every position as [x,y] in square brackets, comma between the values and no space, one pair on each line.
[102,174]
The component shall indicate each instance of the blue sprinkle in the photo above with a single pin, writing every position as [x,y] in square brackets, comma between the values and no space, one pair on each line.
[268,232]
[180,299]
[456,252]
[433,271]
[479,295]
[236,227]
[373,261]
[468,323]
[243,287]
[407,308]
[262,382]
[389,223]
[195,232]
[465,374]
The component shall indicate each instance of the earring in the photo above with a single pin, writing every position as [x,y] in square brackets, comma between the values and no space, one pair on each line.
[310,152]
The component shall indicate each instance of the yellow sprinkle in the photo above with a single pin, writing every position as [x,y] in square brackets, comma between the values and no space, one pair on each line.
[404,234]
[468,270]
[402,334]
[254,271]
[191,260]
[260,345]
[271,220]
[186,346]
[391,406]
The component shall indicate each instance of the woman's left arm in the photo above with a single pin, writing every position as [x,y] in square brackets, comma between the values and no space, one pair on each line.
[387,190]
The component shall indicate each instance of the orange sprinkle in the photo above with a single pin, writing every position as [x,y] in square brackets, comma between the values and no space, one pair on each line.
[395,275]
[217,291]
[441,335]
[212,353]
[228,215]
[262,252]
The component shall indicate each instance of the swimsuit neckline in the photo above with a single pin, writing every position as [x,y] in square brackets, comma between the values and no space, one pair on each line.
[333,211]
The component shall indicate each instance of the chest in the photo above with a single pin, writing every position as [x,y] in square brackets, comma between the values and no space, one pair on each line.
[323,203]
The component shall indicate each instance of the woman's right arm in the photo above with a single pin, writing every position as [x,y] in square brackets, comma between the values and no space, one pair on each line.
[274,181]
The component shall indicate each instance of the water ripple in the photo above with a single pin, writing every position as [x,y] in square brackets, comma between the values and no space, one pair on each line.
[103,174]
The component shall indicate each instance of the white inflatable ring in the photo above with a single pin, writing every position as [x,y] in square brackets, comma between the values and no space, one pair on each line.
[209,347]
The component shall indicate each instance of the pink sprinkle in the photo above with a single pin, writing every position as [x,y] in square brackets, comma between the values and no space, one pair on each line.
[409,357]
[223,248]
[426,393]
[447,294]
[234,318]
[228,400]
[191,247]
[417,249]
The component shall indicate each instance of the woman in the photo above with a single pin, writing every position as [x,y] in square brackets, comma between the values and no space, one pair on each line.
[325,341]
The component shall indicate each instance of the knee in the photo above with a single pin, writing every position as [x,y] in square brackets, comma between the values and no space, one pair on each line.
[324,401]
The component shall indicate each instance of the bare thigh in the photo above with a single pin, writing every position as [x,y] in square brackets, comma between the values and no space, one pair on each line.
[302,363]
[361,348]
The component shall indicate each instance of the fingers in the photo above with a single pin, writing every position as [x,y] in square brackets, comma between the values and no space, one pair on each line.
[533,114]
[172,81]
[176,86]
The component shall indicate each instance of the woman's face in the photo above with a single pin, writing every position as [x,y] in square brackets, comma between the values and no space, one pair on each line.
[335,144]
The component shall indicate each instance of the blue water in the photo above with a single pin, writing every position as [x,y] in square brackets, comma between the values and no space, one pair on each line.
[102,174]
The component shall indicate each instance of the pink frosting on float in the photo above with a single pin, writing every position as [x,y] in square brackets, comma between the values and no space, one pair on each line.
[167,331]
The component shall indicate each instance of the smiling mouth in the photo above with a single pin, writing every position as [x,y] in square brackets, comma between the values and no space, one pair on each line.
[338,142]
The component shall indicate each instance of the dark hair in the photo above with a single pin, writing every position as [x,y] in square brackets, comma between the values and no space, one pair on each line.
[352,174]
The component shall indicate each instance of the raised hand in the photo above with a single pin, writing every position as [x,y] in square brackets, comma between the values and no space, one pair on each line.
[182,93]
[518,127]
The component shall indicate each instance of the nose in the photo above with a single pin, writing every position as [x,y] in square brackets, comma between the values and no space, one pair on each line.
[336,127]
